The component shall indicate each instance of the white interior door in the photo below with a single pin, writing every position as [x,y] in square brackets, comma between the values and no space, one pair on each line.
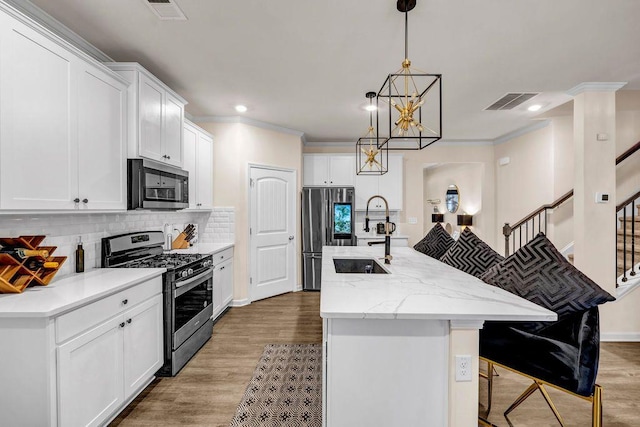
[273,224]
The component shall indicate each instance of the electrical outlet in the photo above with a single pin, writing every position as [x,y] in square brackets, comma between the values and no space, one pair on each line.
[463,368]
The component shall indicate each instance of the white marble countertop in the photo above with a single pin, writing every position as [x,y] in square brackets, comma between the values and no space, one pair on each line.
[419,287]
[204,248]
[73,291]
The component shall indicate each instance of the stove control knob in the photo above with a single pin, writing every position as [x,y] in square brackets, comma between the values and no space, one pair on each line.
[190,271]
[184,273]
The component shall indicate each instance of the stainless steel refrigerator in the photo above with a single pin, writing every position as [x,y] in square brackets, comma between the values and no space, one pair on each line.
[327,220]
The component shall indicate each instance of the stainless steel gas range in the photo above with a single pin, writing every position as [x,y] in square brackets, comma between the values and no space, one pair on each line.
[187,291]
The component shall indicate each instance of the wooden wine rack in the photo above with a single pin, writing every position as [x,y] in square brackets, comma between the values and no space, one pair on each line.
[14,275]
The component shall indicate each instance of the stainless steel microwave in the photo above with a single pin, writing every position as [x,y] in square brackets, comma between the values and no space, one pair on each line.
[153,185]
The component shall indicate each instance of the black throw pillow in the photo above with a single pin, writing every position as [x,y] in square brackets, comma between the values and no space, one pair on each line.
[435,243]
[471,255]
[539,273]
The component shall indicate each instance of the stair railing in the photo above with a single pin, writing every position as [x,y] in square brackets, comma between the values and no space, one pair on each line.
[514,233]
[528,225]
[628,251]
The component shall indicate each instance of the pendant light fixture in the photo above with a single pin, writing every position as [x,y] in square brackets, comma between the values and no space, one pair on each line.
[414,101]
[371,159]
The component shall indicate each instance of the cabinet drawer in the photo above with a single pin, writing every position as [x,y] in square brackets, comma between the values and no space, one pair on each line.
[222,256]
[71,324]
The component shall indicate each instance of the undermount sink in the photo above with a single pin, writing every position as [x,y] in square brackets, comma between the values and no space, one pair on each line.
[358,265]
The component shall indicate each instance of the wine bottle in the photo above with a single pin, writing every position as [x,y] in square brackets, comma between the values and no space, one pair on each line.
[79,257]
[35,264]
[22,253]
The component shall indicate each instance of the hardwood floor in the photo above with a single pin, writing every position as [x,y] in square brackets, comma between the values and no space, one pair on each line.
[207,391]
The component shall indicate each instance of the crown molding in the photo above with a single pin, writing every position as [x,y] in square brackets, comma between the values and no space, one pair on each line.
[522,131]
[596,87]
[48,22]
[247,121]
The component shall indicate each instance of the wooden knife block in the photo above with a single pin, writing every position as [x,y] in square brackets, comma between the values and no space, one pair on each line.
[14,275]
[180,242]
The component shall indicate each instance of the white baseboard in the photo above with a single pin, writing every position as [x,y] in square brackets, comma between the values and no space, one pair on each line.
[620,337]
[240,302]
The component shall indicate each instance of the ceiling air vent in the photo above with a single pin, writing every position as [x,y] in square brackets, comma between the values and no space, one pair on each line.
[166,9]
[510,101]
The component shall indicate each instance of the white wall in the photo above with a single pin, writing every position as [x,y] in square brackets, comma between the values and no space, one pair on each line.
[235,146]
[526,182]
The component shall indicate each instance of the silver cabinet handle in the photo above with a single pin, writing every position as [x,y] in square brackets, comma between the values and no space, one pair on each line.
[125,301]
[76,200]
[290,237]
[128,320]
[85,200]
[122,325]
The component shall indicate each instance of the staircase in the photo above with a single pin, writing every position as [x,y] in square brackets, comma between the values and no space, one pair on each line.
[628,233]
[628,248]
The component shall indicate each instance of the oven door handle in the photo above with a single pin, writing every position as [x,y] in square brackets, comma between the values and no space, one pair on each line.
[187,285]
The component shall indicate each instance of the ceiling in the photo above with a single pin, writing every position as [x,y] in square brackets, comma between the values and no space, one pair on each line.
[307,64]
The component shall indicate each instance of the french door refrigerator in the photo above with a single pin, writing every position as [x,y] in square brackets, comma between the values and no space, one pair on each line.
[327,220]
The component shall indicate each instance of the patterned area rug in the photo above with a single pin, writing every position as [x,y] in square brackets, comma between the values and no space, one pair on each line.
[286,388]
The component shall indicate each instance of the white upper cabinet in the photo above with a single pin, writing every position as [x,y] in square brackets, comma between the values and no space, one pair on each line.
[62,121]
[102,141]
[337,170]
[156,116]
[390,186]
[198,161]
[151,96]
[173,124]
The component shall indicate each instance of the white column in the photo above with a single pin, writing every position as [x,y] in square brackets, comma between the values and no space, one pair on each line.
[594,124]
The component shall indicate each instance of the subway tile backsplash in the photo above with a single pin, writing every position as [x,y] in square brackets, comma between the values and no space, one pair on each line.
[63,230]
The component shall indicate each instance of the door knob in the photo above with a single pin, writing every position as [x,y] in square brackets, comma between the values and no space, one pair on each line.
[290,237]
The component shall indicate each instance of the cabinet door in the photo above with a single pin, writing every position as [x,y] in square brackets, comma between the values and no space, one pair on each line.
[342,170]
[173,126]
[205,172]
[226,270]
[217,290]
[37,107]
[366,186]
[101,141]
[143,344]
[391,183]
[190,144]
[151,105]
[90,376]
[315,170]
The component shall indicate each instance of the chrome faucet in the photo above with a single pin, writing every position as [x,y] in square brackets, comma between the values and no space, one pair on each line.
[387,236]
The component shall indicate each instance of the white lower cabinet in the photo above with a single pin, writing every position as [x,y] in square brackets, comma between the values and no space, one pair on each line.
[90,371]
[103,367]
[222,281]
[82,367]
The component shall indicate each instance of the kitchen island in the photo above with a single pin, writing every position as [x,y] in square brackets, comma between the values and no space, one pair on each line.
[390,341]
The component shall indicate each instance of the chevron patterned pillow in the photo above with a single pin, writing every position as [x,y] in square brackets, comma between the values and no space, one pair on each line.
[539,273]
[435,243]
[471,255]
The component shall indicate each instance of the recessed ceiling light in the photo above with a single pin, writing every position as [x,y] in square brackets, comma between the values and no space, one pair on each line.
[241,108]
[534,107]
[371,108]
